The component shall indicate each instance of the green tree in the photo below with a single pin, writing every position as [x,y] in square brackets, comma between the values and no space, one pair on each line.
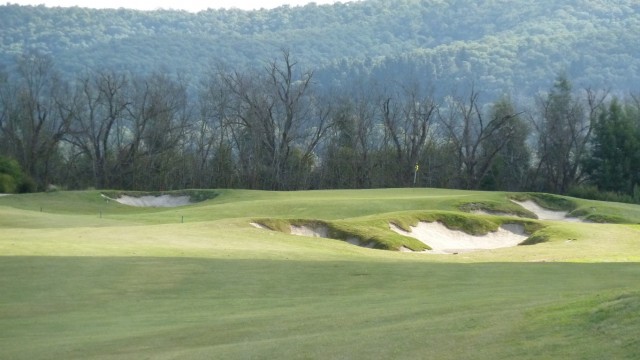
[564,130]
[613,165]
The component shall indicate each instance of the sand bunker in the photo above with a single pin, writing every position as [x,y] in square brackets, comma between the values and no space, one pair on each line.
[546,214]
[310,231]
[259,226]
[443,240]
[319,231]
[153,201]
[322,231]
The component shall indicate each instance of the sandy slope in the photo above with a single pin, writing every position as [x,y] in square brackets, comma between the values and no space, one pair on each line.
[546,214]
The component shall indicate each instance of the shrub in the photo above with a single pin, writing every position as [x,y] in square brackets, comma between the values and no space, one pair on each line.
[12,179]
[7,184]
[591,192]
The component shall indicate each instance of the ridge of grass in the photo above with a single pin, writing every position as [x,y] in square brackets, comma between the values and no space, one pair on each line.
[497,208]
[548,201]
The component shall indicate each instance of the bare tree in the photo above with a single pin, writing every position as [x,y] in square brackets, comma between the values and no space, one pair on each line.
[407,122]
[100,104]
[348,160]
[158,120]
[213,163]
[278,122]
[35,119]
[470,134]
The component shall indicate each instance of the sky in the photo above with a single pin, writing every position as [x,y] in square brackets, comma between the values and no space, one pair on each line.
[189,5]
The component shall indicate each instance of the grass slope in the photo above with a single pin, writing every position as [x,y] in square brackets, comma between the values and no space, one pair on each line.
[139,283]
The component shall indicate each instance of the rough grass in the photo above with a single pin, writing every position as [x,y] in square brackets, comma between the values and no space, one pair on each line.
[138,283]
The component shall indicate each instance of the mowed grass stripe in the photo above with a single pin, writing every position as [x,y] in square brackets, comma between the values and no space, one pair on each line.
[154,307]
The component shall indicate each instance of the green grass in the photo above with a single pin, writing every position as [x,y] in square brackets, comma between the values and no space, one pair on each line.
[138,283]
[96,308]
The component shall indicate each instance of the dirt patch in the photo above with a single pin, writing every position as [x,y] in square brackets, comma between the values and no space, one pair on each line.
[153,201]
[546,214]
[443,240]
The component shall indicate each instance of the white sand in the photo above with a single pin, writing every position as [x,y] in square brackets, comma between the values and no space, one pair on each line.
[546,214]
[259,226]
[445,241]
[153,201]
[317,231]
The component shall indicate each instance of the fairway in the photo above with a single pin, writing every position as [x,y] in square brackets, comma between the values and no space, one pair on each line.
[87,278]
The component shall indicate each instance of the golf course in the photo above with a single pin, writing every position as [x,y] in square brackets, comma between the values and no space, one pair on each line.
[326,274]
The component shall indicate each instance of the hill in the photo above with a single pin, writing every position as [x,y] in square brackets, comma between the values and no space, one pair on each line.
[514,46]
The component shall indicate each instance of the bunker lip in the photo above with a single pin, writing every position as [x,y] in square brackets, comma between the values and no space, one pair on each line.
[546,214]
[152,201]
[259,226]
[443,240]
[319,231]
[322,231]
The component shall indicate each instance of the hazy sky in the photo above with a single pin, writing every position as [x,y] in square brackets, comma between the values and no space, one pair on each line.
[190,5]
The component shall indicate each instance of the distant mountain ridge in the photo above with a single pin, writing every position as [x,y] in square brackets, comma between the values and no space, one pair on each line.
[502,46]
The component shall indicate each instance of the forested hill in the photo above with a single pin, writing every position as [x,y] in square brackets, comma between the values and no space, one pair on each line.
[515,46]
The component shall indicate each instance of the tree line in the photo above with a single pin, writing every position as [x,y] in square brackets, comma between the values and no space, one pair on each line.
[273,127]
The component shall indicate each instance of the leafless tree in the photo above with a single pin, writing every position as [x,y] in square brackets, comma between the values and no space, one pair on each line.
[469,132]
[100,102]
[407,122]
[277,121]
[35,116]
